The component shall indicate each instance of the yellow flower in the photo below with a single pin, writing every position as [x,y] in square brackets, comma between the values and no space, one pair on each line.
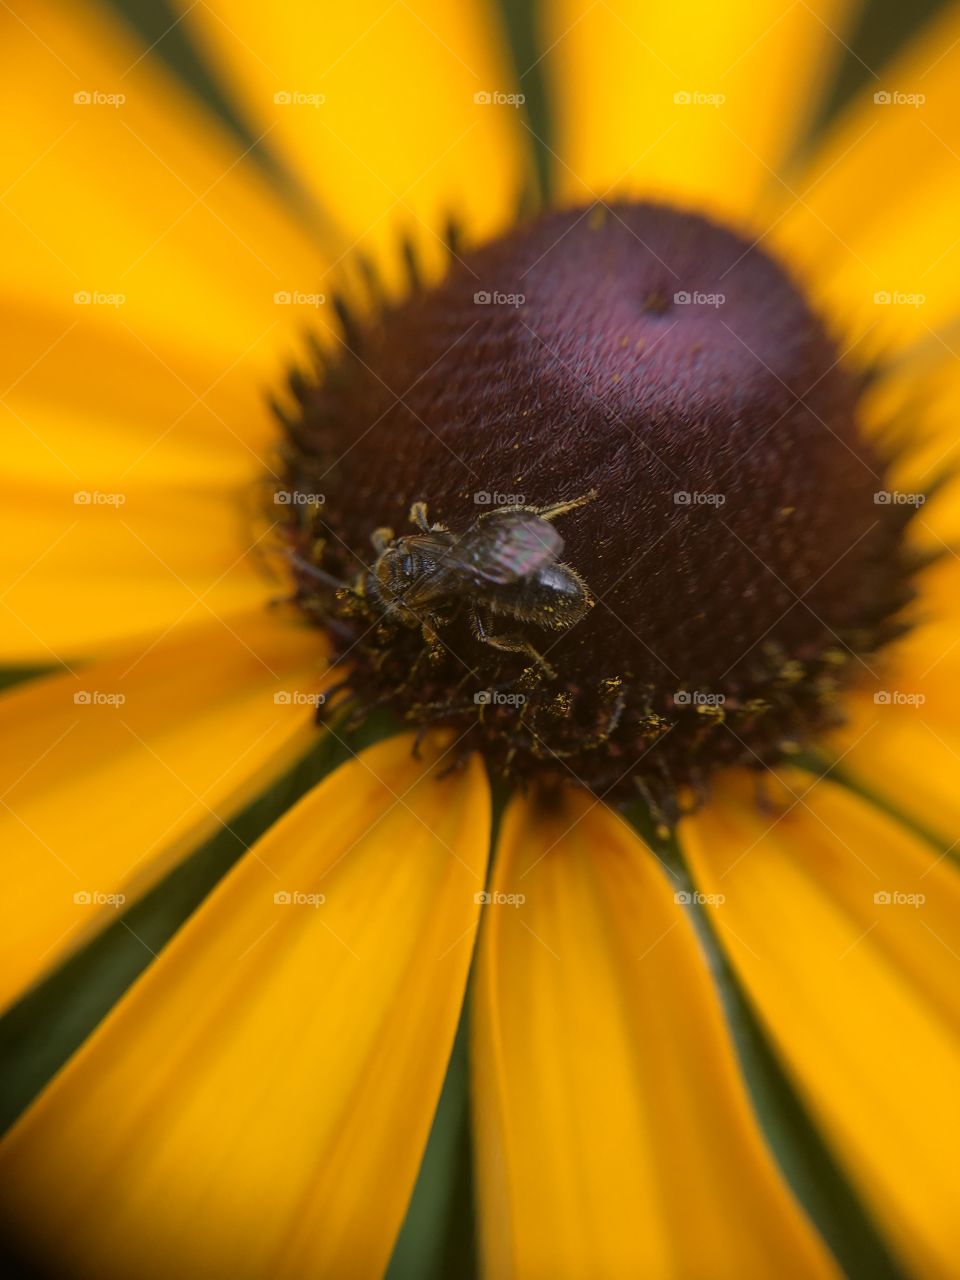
[728,1051]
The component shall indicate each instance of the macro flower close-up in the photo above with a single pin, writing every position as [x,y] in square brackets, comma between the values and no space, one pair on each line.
[480,700]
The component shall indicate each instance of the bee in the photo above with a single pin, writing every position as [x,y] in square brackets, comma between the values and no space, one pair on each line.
[505,565]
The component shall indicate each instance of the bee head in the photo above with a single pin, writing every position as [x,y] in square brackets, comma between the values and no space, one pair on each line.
[395,571]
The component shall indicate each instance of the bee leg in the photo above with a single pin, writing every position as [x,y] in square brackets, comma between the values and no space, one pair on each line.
[561,508]
[510,644]
[615,702]
[418,516]
[431,637]
[381,539]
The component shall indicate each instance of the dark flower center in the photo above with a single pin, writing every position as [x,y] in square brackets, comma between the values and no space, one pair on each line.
[738,560]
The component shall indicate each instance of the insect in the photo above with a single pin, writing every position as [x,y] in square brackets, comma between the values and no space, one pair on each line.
[505,565]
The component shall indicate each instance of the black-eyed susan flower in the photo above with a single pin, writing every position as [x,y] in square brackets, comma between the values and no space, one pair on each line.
[587,451]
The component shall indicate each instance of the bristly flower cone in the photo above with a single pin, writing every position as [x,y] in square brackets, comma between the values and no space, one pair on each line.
[740,561]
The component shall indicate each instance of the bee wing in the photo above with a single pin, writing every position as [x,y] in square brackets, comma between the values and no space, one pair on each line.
[505,547]
[421,567]
[434,545]
[432,551]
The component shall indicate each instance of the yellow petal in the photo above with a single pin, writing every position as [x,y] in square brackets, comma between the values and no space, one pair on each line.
[111,774]
[373,105]
[905,758]
[875,217]
[615,1137]
[258,1103]
[912,406]
[142,257]
[127,501]
[914,399]
[121,196]
[901,740]
[845,931]
[695,103]
[87,402]
[84,573]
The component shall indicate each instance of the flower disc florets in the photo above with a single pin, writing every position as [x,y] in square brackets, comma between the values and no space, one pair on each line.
[735,561]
